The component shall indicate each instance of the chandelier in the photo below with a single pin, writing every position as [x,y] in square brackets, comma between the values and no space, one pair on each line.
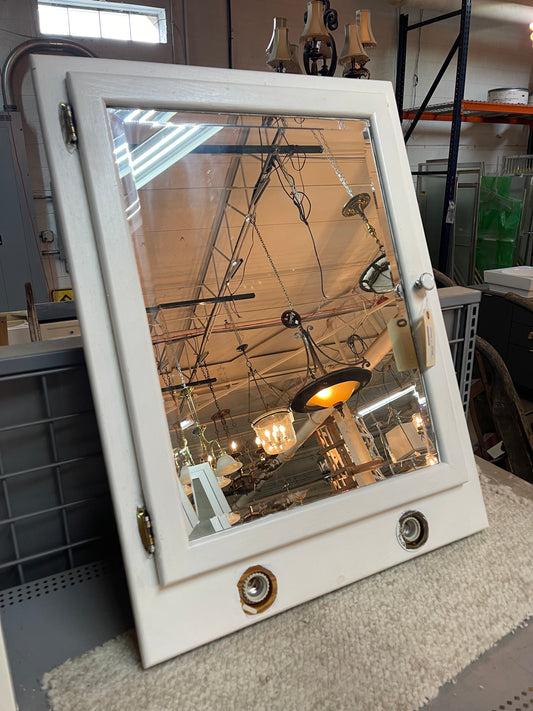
[318,47]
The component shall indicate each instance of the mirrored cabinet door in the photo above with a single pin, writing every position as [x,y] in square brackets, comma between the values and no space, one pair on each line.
[270,367]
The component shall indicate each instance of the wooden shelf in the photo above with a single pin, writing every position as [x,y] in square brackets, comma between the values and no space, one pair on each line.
[478,112]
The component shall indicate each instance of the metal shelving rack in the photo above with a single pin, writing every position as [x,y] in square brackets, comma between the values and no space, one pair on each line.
[460,46]
[458,111]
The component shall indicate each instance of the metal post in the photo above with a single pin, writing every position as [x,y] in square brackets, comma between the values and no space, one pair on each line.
[400,62]
[448,217]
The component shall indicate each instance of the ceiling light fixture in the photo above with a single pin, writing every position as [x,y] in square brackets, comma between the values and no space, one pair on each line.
[377,277]
[274,429]
[386,400]
[170,143]
[331,389]
[319,51]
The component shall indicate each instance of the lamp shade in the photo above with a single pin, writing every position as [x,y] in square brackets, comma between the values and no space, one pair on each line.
[330,390]
[275,430]
[227,465]
[314,29]
[377,277]
[281,51]
[352,49]
[185,475]
[366,35]
[278,22]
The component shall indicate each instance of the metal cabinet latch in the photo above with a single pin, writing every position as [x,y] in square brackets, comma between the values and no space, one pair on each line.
[145,529]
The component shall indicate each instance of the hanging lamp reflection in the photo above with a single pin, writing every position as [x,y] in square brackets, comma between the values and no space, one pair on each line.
[275,430]
[377,277]
[327,389]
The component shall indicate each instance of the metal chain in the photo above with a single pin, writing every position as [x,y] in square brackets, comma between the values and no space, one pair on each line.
[331,158]
[251,219]
[205,371]
[373,233]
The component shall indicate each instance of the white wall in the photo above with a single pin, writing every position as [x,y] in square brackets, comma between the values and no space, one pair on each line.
[500,55]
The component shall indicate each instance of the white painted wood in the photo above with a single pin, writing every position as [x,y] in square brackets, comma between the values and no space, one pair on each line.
[190,595]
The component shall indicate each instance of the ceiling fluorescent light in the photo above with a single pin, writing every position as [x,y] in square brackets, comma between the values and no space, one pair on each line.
[132,115]
[159,144]
[146,116]
[386,400]
[161,151]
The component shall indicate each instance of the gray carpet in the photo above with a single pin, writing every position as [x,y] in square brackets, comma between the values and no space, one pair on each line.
[386,643]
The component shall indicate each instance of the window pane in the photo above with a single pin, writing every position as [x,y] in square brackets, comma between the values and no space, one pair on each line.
[87,18]
[144,29]
[53,20]
[84,23]
[115,25]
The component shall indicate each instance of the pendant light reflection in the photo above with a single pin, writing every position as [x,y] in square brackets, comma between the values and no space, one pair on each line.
[212,451]
[377,277]
[275,430]
[328,389]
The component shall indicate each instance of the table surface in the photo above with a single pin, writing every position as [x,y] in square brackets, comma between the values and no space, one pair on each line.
[90,605]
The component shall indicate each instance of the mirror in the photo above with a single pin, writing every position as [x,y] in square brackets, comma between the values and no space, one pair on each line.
[268,273]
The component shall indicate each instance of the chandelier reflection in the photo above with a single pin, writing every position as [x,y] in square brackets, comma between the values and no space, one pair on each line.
[274,429]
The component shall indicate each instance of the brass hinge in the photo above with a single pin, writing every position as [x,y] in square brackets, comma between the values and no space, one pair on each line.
[145,529]
[68,126]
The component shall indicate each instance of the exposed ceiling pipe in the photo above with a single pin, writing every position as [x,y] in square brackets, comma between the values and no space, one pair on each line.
[488,9]
[35,46]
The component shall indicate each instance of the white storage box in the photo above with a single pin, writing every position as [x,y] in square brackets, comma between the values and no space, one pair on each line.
[519,280]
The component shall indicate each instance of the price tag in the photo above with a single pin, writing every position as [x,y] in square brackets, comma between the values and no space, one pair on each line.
[402,344]
[425,332]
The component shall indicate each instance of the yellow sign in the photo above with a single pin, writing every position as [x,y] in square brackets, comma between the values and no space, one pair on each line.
[62,295]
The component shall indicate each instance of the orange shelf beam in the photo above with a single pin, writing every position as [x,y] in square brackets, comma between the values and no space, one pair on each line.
[479,112]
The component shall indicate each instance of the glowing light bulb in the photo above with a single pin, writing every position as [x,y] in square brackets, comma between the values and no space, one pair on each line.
[330,396]
[258,441]
[209,458]
[233,445]
[418,422]
[275,431]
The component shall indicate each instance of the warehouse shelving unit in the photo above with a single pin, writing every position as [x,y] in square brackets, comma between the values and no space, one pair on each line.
[460,46]
[457,111]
